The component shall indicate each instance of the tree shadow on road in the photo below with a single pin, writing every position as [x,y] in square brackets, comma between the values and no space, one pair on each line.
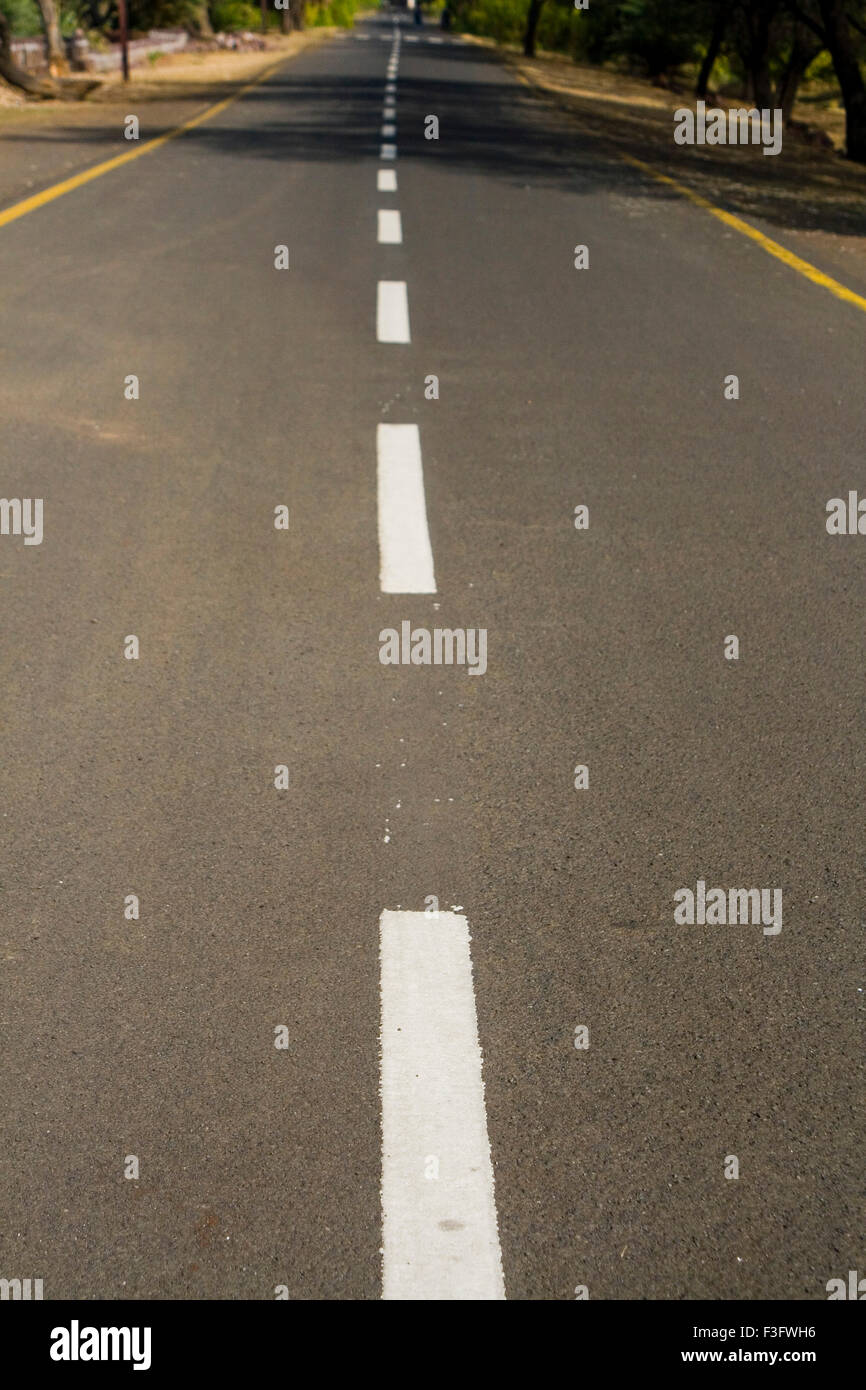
[492,127]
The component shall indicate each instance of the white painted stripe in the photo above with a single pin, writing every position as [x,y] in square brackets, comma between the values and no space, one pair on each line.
[440,1236]
[390,86]
[390,227]
[392,312]
[387,151]
[389,111]
[405,553]
[388,132]
[386,180]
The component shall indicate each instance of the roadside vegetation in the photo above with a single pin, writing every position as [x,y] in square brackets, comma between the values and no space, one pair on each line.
[99,22]
[768,52]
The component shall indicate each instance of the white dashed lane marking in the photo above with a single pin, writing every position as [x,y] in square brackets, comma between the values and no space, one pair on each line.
[392,312]
[440,1232]
[390,227]
[386,180]
[405,552]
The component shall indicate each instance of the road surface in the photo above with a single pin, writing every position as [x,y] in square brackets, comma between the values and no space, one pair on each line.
[241,1038]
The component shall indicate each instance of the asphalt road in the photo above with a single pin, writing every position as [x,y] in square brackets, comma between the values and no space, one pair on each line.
[261,1166]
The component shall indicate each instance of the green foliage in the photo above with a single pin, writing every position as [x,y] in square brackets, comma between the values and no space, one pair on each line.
[160,14]
[101,15]
[24,18]
[559,28]
[586,34]
[235,15]
[502,20]
[821,69]
[659,35]
[339,13]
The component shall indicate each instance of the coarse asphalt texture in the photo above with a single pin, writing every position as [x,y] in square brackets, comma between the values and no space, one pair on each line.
[154,1037]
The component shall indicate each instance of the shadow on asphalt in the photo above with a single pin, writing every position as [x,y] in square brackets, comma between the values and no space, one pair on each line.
[491,126]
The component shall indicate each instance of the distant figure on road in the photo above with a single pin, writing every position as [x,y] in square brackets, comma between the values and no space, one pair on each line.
[419,18]
[446,18]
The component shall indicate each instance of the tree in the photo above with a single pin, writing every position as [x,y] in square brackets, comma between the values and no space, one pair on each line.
[770,43]
[532,17]
[805,47]
[199,21]
[840,30]
[55,49]
[755,36]
[840,40]
[17,76]
[660,34]
[720,24]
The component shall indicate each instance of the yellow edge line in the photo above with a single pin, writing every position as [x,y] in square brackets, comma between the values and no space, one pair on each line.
[772,248]
[57,190]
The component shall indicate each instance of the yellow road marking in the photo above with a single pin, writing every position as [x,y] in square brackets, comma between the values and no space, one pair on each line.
[57,190]
[772,248]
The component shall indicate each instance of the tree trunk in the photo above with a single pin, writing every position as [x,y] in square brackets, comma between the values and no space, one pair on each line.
[97,12]
[805,48]
[843,51]
[532,19]
[758,16]
[55,49]
[759,65]
[297,9]
[719,25]
[16,76]
[199,22]
[285,19]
